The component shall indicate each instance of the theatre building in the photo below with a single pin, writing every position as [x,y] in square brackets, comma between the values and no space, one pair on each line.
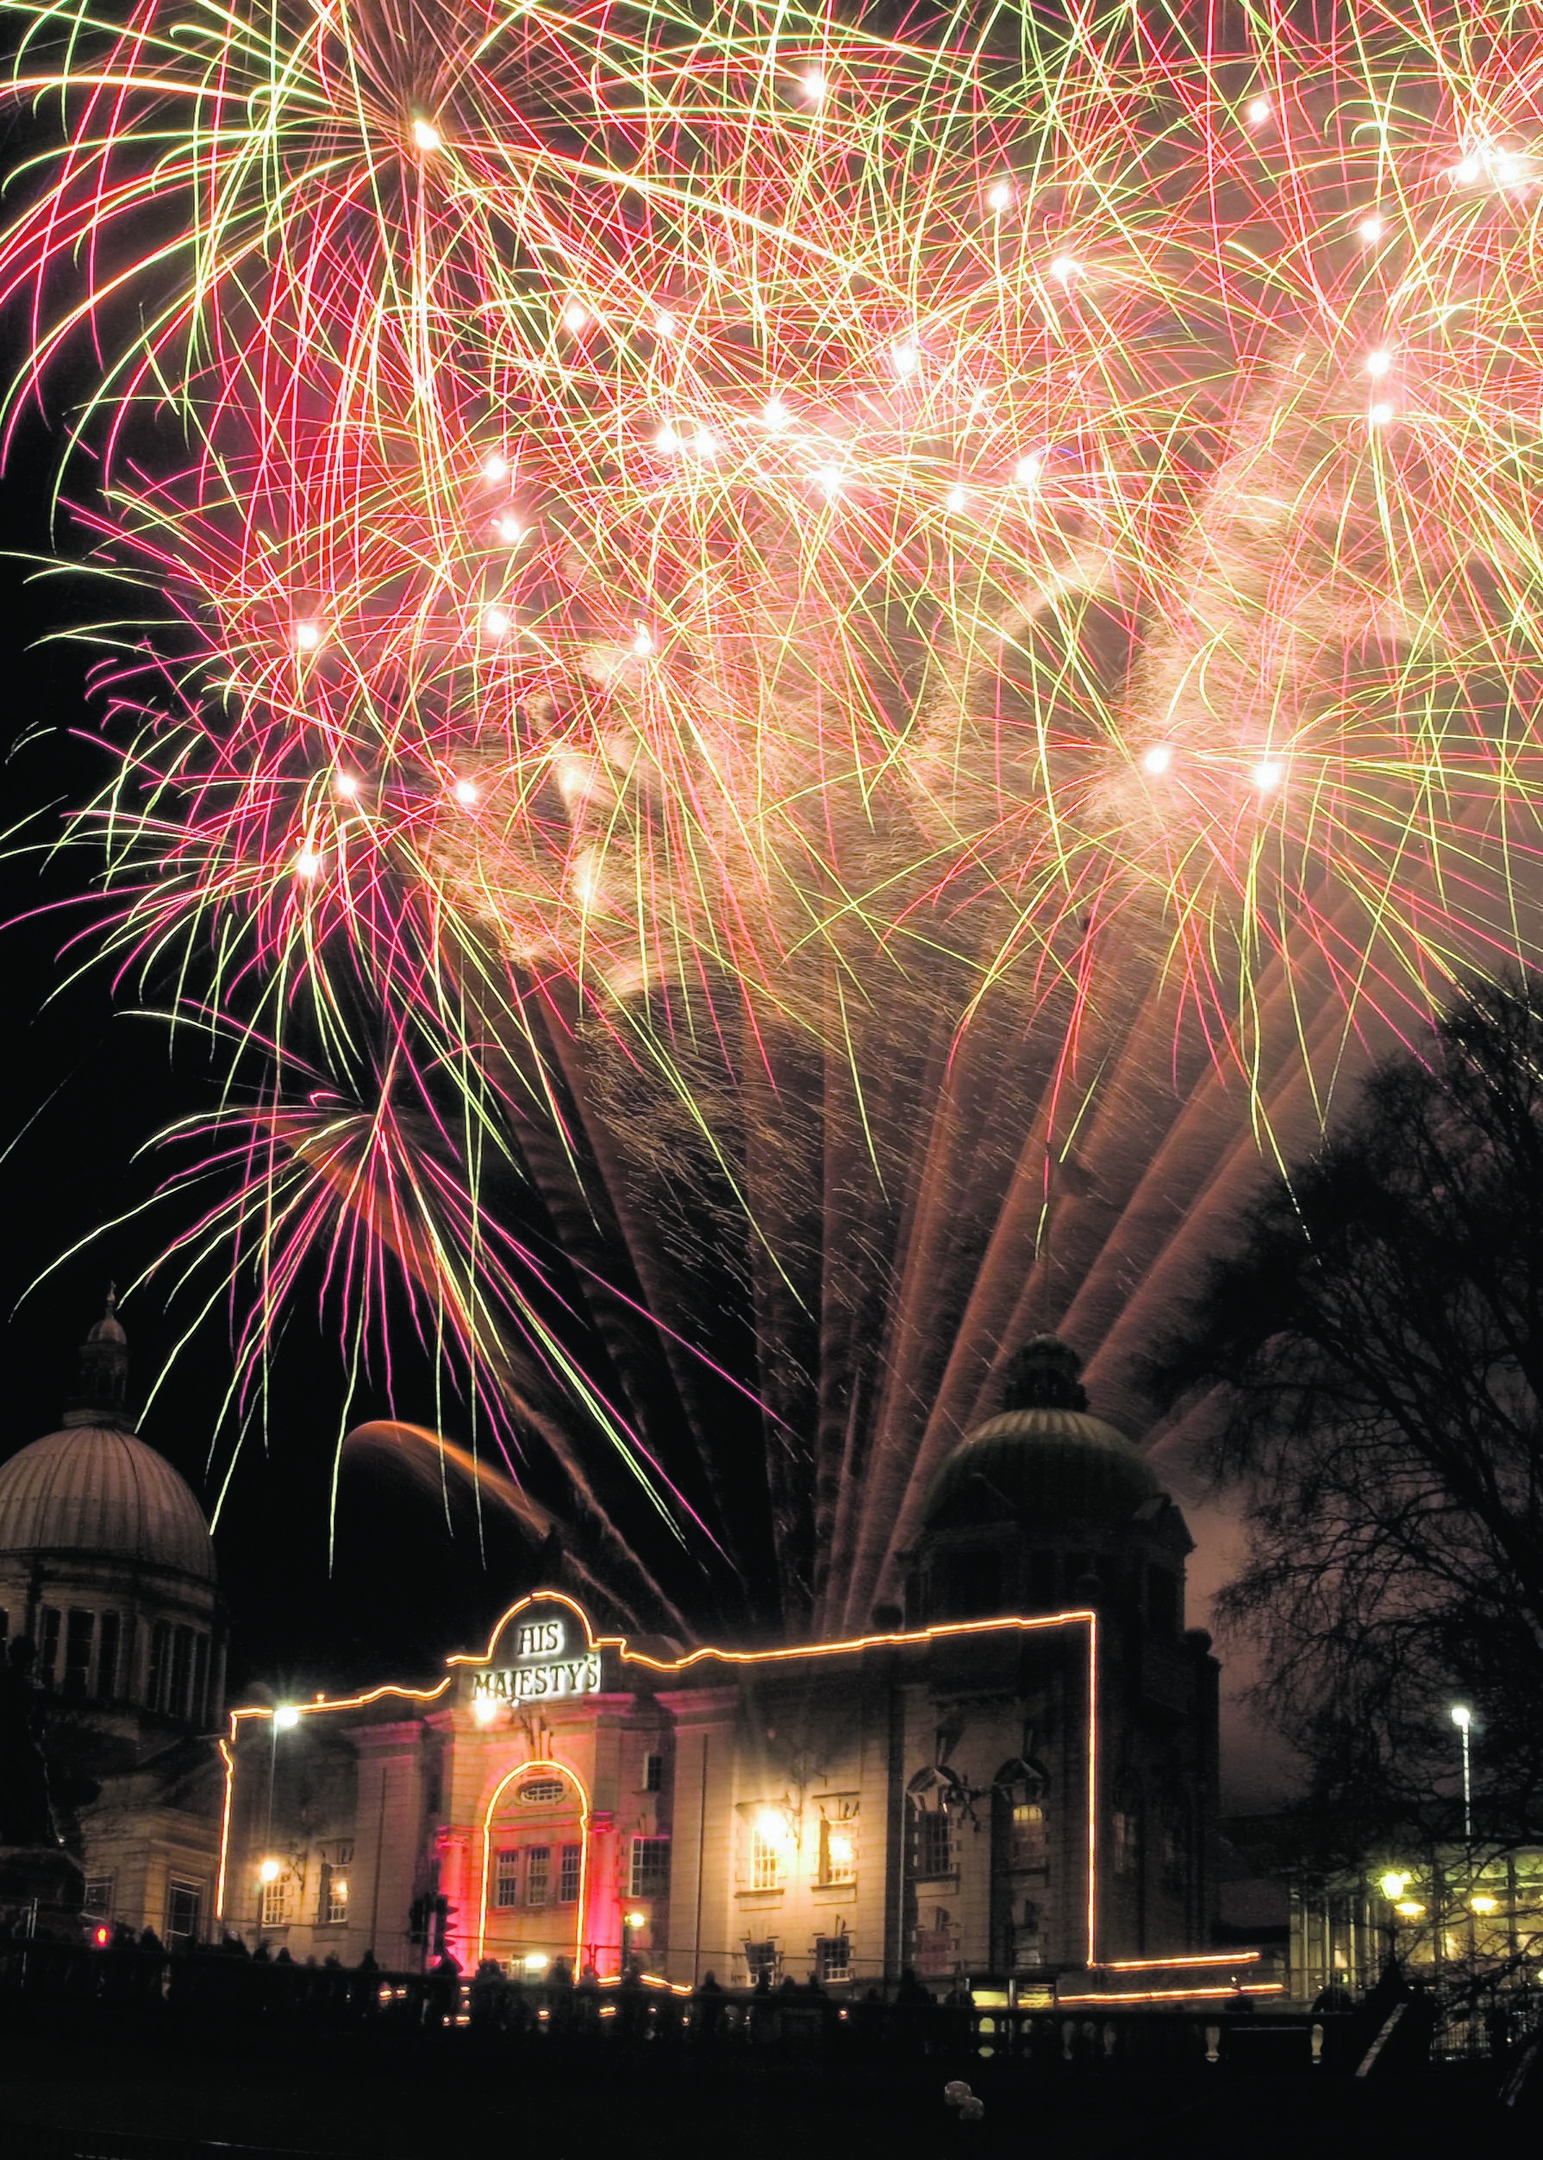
[1016,1777]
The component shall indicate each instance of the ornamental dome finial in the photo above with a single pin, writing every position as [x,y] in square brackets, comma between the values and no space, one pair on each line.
[101,1373]
[1043,1375]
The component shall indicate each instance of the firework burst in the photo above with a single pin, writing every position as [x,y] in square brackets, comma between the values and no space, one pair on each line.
[788,645]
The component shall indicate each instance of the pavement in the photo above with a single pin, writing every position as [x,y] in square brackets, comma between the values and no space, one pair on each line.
[89,2096]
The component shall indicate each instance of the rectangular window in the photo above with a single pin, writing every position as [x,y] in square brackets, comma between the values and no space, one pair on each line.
[107,1657]
[761,1957]
[199,1709]
[650,1867]
[568,1875]
[160,1658]
[653,1773]
[1030,1835]
[80,1629]
[838,1852]
[48,1644]
[934,1843]
[184,1909]
[335,1906]
[538,1869]
[99,1897]
[765,1860]
[275,1904]
[181,1671]
[832,1958]
[506,1882]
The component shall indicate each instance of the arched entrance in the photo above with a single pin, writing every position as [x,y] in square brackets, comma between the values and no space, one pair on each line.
[535,1868]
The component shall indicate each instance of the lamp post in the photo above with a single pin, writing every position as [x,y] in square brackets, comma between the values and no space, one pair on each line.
[285,1718]
[1462,1718]
[1392,1887]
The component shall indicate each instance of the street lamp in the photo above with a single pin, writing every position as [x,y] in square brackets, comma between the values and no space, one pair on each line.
[1462,1718]
[285,1718]
[1393,1886]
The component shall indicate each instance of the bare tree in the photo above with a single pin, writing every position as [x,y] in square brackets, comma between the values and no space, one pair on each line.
[1373,1357]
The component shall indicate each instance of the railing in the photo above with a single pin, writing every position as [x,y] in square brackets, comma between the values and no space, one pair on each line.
[212,1989]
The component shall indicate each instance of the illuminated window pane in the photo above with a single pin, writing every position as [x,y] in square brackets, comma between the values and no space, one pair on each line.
[506,1881]
[275,1902]
[650,1867]
[765,1862]
[568,1875]
[838,1852]
[538,1868]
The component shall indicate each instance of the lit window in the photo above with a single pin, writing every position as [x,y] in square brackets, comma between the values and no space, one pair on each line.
[538,1869]
[333,1906]
[540,1792]
[832,1958]
[506,1882]
[765,1860]
[1030,1834]
[568,1875]
[650,1876]
[275,1902]
[838,1852]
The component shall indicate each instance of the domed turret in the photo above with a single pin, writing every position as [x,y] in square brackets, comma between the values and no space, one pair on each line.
[98,1490]
[1044,1504]
[105,1557]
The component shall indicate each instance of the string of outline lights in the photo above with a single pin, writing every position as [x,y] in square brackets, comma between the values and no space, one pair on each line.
[899,1638]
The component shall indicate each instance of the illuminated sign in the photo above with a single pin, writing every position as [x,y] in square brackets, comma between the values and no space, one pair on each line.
[543,1667]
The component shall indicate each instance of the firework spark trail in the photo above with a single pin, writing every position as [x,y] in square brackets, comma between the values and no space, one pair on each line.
[826,657]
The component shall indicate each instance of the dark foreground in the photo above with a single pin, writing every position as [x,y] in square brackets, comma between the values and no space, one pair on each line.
[111,2096]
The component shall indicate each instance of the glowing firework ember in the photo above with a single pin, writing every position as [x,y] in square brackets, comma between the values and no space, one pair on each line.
[787,637]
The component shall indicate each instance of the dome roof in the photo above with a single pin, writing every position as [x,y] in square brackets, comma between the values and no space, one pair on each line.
[1044,1465]
[98,1489]
[1044,1459]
